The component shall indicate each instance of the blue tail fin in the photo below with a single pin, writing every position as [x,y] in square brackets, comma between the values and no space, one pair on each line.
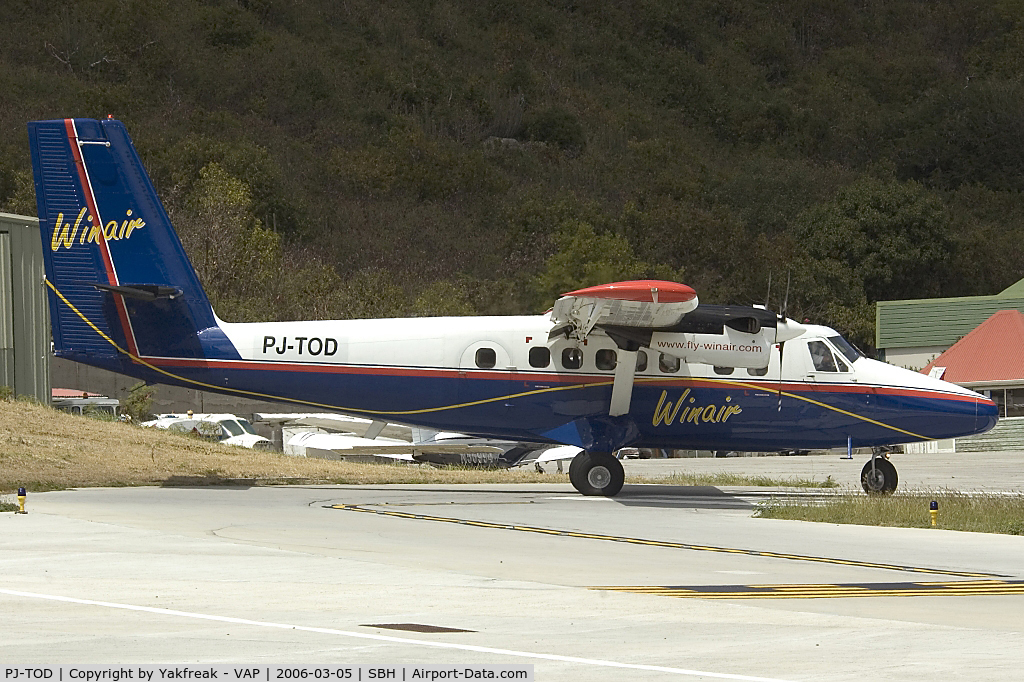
[121,284]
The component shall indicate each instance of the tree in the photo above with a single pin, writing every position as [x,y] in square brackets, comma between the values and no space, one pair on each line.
[443,298]
[139,403]
[585,258]
[876,240]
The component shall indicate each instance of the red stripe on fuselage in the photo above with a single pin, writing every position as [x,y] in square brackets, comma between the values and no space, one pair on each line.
[108,263]
[449,373]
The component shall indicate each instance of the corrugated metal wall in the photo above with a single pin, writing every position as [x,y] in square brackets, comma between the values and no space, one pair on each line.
[935,322]
[24,315]
[1008,434]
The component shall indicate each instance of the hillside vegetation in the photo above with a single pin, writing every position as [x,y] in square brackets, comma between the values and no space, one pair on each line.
[371,158]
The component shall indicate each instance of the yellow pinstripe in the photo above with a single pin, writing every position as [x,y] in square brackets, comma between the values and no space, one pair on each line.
[455,406]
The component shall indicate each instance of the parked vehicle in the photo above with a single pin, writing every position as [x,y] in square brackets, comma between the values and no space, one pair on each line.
[227,429]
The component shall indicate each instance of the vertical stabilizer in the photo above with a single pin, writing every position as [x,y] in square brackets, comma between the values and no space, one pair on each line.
[121,284]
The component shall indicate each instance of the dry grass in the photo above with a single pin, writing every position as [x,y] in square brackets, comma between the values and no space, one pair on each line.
[44,449]
[978,512]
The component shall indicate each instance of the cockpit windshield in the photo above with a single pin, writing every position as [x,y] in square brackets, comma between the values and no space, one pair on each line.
[845,347]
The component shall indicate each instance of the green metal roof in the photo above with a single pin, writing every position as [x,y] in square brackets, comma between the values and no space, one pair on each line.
[1015,290]
[939,321]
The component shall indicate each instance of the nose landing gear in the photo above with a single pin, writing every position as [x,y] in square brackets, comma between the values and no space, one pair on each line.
[878,477]
[596,473]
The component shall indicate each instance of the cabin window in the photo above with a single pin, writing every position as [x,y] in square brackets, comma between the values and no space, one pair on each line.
[757,371]
[723,370]
[605,359]
[486,358]
[821,356]
[669,364]
[572,358]
[540,356]
[641,361]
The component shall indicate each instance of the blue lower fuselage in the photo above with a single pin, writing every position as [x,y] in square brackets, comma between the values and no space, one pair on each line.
[685,412]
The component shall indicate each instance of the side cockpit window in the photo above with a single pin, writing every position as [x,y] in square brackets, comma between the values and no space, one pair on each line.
[822,357]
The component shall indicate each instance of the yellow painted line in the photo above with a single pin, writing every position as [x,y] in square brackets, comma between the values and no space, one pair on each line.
[661,543]
[442,408]
[964,588]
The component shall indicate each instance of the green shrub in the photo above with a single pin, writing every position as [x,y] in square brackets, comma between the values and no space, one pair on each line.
[557,126]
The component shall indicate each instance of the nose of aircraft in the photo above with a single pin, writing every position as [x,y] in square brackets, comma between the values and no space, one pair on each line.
[986,414]
[945,410]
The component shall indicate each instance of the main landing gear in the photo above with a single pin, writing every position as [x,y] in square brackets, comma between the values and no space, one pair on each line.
[878,477]
[596,473]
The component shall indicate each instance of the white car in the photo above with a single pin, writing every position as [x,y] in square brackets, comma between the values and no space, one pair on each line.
[227,429]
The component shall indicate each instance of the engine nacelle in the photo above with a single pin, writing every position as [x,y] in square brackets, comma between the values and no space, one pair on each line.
[731,349]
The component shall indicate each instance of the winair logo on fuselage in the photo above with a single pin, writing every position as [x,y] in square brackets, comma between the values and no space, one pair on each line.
[687,410]
[64,233]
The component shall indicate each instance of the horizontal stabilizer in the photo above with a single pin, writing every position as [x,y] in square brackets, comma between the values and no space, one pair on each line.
[141,292]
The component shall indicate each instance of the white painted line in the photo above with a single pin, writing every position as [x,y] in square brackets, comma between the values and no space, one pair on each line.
[386,638]
[583,498]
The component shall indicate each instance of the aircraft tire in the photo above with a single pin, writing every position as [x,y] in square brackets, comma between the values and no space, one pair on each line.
[596,474]
[582,460]
[884,480]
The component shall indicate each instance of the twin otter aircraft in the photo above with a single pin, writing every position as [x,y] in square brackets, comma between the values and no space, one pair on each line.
[627,364]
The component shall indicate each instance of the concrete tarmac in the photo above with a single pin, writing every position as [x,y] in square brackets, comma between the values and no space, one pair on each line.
[965,471]
[306,575]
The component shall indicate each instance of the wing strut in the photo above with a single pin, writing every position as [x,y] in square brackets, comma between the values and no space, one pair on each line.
[622,388]
[375,428]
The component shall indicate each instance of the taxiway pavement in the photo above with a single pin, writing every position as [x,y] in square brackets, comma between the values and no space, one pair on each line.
[964,471]
[307,574]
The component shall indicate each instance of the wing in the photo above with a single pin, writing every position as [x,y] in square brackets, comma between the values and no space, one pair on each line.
[353,445]
[639,304]
[645,303]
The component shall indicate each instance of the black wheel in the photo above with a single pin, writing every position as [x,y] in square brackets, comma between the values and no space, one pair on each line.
[880,481]
[580,461]
[596,473]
